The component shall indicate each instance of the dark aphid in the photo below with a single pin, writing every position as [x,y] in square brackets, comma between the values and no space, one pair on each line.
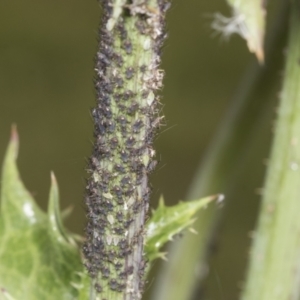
[98,288]
[143,68]
[119,230]
[123,244]
[129,270]
[106,176]
[124,156]
[118,265]
[108,51]
[122,107]
[110,125]
[105,272]
[113,284]
[145,94]
[125,180]
[129,73]
[136,206]
[99,140]
[108,87]
[137,125]
[141,26]
[132,108]
[130,142]
[122,120]
[107,112]
[103,59]
[113,143]
[95,162]
[156,123]
[120,201]
[111,255]
[121,287]
[117,97]
[117,190]
[128,94]
[119,168]
[100,128]
[127,223]
[118,59]
[151,166]
[127,46]
[105,99]
[104,151]
[119,82]
[120,216]
[122,30]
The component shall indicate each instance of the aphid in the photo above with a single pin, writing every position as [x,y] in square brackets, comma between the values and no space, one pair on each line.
[113,284]
[108,87]
[120,216]
[129,73]
[107,112]
[125,180]
[127,223]
[143,68]
[128,94]
[122,120]
[122,30]
[118,59]
[152,165]
[117,190]
[130,142]
[103,59]
[123,244]
[132,108]
[117,97]
[141,26]
[105,99]
[124,156]
[119,82]
[98,288]
[104,151]
[111,255]
[119,168]
[118,265]
[105,272]
[127,46]
[113,142]
[145,94]
[137,125]
[119,230]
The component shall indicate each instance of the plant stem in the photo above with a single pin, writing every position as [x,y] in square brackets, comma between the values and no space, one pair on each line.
[126,120]
[275,261]
[217,173]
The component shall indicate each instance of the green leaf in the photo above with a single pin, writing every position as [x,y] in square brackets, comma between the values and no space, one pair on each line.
[169,221]
[248,20]
[38,258]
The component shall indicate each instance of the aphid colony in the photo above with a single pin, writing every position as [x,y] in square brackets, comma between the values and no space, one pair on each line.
[126,121]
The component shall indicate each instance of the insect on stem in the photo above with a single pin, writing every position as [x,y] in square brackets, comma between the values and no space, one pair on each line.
[126,118]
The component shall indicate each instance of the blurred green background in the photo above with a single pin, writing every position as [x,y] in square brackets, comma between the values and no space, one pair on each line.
[46,88]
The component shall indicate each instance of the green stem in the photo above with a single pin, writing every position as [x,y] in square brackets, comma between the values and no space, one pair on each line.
[218,172]
[126,120]
[275,261]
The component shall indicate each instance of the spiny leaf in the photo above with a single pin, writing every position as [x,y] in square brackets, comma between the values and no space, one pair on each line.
[169,221]
[248,20]
[37,258]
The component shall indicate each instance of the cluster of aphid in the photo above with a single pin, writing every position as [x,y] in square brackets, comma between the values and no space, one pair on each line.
[126,121]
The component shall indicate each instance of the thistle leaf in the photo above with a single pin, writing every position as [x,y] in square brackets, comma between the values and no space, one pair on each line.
[248,20]
[166,222]
[38,259]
